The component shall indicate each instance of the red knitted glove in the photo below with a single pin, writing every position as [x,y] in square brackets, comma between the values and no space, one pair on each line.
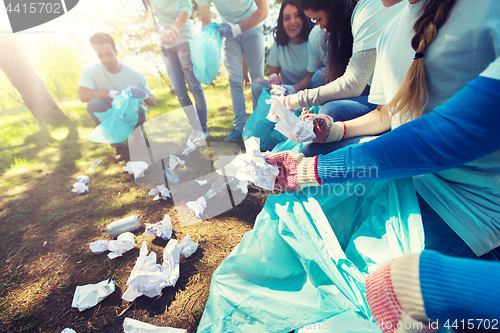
[274,79]
[170,35]
[296,171]
[325,128]
[394,297]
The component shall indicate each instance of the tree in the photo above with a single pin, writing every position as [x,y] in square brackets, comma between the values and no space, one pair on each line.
[16,66]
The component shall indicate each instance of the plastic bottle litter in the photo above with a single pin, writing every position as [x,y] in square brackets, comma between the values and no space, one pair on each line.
[130,223]
[172,178]
[95,164]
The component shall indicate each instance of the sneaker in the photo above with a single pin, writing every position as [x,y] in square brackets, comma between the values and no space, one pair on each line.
[122,153]
[197,135]
[235,135]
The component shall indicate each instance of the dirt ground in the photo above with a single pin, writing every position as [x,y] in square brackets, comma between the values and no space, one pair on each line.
[45,230]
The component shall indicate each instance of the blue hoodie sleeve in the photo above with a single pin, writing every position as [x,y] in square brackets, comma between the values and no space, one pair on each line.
[464,129]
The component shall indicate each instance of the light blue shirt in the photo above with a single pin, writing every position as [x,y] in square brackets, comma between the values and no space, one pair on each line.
[168,10]
[97,77]
[317,56]
[232,11]
[291,59]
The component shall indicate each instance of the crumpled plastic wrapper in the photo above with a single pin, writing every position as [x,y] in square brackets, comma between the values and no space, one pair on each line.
[99,246]
[83,179]
[79,188]
[174,161]
[123,243]
[289,124]
[198,206]
[190,148]
[149,278]
[162,229]
[136,168]
[251,166]
[161,191]
[91,294]
[134,326]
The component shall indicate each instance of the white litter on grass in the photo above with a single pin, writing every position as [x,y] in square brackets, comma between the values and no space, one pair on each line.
[83,179]
[99,246]
[250,167]
[198,206]
[134,326]
[162,229]
[277,90]
[149,278]
[174,161]
[68,330]
[289,124]
[161,192]
[136,168]
[91,294]
[201,182]
[190,148]
[79,188]
[123,243]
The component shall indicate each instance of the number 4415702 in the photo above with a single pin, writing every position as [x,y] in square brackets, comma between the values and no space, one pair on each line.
[472,324]
[35,7]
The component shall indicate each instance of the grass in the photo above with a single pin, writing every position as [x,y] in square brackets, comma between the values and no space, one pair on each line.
[45,229]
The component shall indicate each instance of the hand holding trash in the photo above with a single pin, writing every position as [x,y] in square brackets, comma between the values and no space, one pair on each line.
[274,79]
[170,35]
[296,172]
[289,89]
[325,128]
[229,30]
[138,92]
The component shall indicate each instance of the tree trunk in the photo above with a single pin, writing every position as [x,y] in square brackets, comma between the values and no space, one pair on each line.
[15,64]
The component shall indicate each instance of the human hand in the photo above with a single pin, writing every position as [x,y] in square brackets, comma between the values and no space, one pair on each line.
[274,79]
[170,35]
[289,89]
[138,92]
[325,128]
[229,30]
[296,171]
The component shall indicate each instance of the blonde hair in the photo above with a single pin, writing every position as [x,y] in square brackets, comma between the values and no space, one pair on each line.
[412,96]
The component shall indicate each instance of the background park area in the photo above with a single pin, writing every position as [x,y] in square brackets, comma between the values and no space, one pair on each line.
[45,229]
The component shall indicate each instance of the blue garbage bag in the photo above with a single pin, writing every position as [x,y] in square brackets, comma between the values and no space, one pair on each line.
[257,124]
[308,255]
[206,53]
[118,122]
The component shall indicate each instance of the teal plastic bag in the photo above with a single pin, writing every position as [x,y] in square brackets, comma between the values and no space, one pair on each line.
[118,122]
[308,255]
[206,53]
[257,124]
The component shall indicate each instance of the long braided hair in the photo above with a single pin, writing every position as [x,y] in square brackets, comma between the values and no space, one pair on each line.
[412,96]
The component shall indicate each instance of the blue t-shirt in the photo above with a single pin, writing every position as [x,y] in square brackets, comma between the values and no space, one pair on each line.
[317,55]
[291,59]
[168,10]
[234,11]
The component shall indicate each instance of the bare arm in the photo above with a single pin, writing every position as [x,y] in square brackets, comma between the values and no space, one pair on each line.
[205,15]
[151,101]
[258,16]
[181,20]
[304,83]
[368,124]
[86,94]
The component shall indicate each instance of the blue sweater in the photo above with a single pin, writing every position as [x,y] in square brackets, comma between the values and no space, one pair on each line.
[464,129]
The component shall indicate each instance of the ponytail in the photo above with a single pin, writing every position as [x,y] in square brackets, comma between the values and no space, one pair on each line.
[413,94]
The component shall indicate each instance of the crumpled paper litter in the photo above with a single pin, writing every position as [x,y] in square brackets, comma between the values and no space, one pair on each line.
[83,179]
[161,191]
[190,148]
[123,243]
[91,294]
[198,206]
[134,326]
[201,182]
[289,124]
[149,278]
[99,246]
[79,188]
[162,229]
[136,168]
[68,330]
[174,161]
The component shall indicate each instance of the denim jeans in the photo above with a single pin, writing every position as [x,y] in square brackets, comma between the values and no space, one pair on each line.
[179,71]
[257,88]
[318,79]
[103,105]
[347,109]
[251,44]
